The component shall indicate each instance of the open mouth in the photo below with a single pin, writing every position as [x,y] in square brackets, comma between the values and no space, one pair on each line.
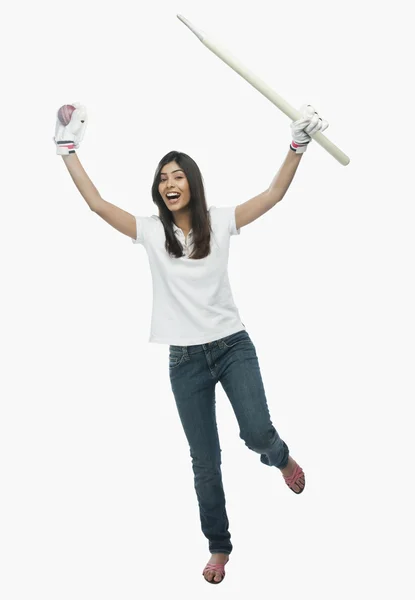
[173,198]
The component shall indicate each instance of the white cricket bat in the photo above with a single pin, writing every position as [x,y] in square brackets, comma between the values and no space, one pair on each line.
[265,90]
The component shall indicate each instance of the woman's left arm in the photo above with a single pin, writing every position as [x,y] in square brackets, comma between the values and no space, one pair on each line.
[255,207]
[283,178]
[301,130]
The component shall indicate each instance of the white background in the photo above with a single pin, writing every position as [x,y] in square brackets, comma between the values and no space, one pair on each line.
[97,497]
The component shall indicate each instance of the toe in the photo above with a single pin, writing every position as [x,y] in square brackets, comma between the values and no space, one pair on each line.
[299,485]
[212,576]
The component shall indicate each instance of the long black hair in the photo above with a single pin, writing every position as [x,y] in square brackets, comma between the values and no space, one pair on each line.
[199,215]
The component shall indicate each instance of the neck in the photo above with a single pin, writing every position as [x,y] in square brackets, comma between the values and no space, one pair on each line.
[183,220]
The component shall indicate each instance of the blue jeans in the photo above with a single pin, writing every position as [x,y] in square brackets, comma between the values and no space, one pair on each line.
[194,373]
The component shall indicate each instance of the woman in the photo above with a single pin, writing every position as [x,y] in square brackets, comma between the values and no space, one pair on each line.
[194,312]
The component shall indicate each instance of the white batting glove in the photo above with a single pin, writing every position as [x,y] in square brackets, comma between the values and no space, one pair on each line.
[303,129]
[68,138]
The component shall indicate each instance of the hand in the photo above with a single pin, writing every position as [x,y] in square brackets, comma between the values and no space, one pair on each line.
[68,138]
[303,129]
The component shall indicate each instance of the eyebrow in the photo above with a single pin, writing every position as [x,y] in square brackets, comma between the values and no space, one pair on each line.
[173,171]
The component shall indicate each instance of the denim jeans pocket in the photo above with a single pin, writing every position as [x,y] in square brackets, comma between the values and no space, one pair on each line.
[236,338]
[175,358]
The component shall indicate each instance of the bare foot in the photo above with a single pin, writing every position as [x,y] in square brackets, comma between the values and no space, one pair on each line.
[215,559]
[289,470]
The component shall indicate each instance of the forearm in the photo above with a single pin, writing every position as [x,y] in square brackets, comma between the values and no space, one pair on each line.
[284,177]
[82,181]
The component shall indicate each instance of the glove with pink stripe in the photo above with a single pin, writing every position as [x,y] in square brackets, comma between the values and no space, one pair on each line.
[68,138]
[303,129]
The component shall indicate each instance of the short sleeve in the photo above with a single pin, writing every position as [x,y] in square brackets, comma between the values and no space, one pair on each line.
[232,221]
[146,227]
[139,239]
[225,215]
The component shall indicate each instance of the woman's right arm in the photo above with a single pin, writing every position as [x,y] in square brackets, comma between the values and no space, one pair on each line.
[116,217]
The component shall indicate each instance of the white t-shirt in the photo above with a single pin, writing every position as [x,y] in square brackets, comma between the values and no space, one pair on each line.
[192,299]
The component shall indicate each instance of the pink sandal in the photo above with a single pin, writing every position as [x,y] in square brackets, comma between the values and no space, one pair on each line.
[293,479]
[220,569]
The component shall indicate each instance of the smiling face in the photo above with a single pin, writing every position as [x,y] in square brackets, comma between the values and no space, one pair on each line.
[174,184]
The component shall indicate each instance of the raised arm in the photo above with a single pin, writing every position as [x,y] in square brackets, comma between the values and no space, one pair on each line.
[122,221]
[68,138]
[301,130]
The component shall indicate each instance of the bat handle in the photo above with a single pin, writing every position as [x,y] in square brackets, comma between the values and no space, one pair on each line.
[331,148]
